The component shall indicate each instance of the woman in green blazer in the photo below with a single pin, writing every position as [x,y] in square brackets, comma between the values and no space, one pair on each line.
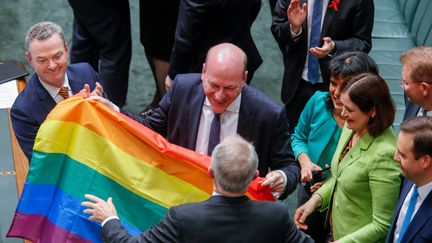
[317,133]
[363,191]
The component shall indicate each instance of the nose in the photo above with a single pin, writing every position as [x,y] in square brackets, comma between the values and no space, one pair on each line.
[396,156]
[51,65]
[337,92]
[344,112]
[219,95]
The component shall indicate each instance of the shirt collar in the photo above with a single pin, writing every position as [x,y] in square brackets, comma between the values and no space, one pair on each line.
[233,107]
[53,91]
[425,190]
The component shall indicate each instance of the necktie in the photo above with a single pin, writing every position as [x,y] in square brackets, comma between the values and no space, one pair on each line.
[409,213]
[63,92]
[313,63]
[214,136]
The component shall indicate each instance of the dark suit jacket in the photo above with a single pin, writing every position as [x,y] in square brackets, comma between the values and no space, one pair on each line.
[202,24]
[411,110]
[33,104]
[350,28]
[420,227]
[218,219]
[261,121]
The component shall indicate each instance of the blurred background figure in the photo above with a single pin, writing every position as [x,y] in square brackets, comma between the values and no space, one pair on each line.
[317,133]
[102,37]
[362,192]
[158,21]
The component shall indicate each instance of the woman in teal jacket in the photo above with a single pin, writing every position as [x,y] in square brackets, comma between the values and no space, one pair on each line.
[362,192]
[318,130]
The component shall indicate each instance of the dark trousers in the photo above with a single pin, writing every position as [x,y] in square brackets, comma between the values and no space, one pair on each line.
[102,37]
[295,107]
[315,221]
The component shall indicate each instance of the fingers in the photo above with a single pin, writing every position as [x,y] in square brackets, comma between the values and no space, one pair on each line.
[98,91]
[298,221]
[275,181]
[306,175]
[93,198]
[168,83]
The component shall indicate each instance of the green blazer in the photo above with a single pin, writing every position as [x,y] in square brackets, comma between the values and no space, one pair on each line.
[366,188]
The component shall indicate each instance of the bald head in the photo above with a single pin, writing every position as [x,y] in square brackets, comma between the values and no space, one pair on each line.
[227,54]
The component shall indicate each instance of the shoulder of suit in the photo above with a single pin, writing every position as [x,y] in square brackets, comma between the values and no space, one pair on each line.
[256,97]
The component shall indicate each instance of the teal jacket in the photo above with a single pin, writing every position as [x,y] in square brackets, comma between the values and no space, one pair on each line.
[315,128]
[366,188]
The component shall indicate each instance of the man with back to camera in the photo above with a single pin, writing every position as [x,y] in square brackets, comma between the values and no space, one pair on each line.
[227,216]
[54,80]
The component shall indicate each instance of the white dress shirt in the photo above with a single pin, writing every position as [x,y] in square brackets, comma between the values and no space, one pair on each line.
[54,91]
[228,119]
[423,193]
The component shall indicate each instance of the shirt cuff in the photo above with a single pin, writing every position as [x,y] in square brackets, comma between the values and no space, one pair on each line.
[115,107]
[284,177]
[108,219]
[295,35]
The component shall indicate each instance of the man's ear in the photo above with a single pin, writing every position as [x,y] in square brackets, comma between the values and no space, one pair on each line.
[256,174]
[203,71]
[210,172]
[28,56]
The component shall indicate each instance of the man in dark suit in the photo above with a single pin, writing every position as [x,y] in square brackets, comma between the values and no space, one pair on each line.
[227,216]
[345,26]
[52,82]
[412,221]
[417,81]
[186,113]
[202,24]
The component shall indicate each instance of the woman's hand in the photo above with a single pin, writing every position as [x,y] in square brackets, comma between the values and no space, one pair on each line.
[307,167]
[305,210]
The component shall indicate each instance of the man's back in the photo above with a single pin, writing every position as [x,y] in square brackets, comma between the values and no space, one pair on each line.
[219,219]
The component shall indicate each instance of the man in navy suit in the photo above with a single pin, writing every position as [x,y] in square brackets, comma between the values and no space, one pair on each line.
[186,112]
[343,26]
[227,216]
[417,81]
[53,81]
[412,221]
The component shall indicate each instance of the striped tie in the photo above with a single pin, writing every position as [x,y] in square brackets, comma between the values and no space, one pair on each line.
[63,92]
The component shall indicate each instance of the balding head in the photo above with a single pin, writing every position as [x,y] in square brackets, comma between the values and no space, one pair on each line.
[224,75]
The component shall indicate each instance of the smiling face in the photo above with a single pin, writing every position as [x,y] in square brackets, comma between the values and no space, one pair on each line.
[412,89]
[49,59]
[223,76]
[335,91]
[410,166]
[356,119]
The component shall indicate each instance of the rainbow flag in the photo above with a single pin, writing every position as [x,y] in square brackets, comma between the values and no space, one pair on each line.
[84,147]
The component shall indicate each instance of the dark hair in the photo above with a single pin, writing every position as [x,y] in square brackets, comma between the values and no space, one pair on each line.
[348,64]
[421,129]
[367,91]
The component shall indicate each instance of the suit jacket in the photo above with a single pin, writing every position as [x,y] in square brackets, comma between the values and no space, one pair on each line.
[261,121]
[350,27]
[33,104]
[364,188]
[411,110]
[420,228]
[202,24]
[315,128]
[218,219]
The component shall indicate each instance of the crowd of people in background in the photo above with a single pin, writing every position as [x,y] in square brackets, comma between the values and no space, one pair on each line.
[333,139]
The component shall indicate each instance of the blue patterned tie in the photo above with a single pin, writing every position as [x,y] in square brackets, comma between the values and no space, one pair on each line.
[313,63]
[409,213]
[214,136]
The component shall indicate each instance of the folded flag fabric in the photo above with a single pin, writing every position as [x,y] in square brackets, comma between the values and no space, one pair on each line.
[85,147]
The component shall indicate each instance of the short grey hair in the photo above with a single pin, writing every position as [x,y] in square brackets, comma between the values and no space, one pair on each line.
[43,31]
[234,163]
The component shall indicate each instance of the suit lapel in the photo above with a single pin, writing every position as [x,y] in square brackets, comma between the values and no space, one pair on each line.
[47,102]
[245,116]
[75,84]
[328,18]
[195,110]
[420,218]
[356,152]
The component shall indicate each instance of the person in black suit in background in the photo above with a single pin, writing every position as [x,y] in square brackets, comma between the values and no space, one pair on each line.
[339,26]
[227,216]
[202,24]
[102,37]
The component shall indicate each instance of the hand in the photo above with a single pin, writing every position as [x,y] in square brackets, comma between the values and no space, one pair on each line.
[276,181]
[98,208]
[168,83]
[102,100]
[98,91]
[316,186]
[323,51]
[307,167]
[305,210]
[296,15]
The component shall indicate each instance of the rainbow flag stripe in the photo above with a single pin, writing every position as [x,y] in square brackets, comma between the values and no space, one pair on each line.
[84,147]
